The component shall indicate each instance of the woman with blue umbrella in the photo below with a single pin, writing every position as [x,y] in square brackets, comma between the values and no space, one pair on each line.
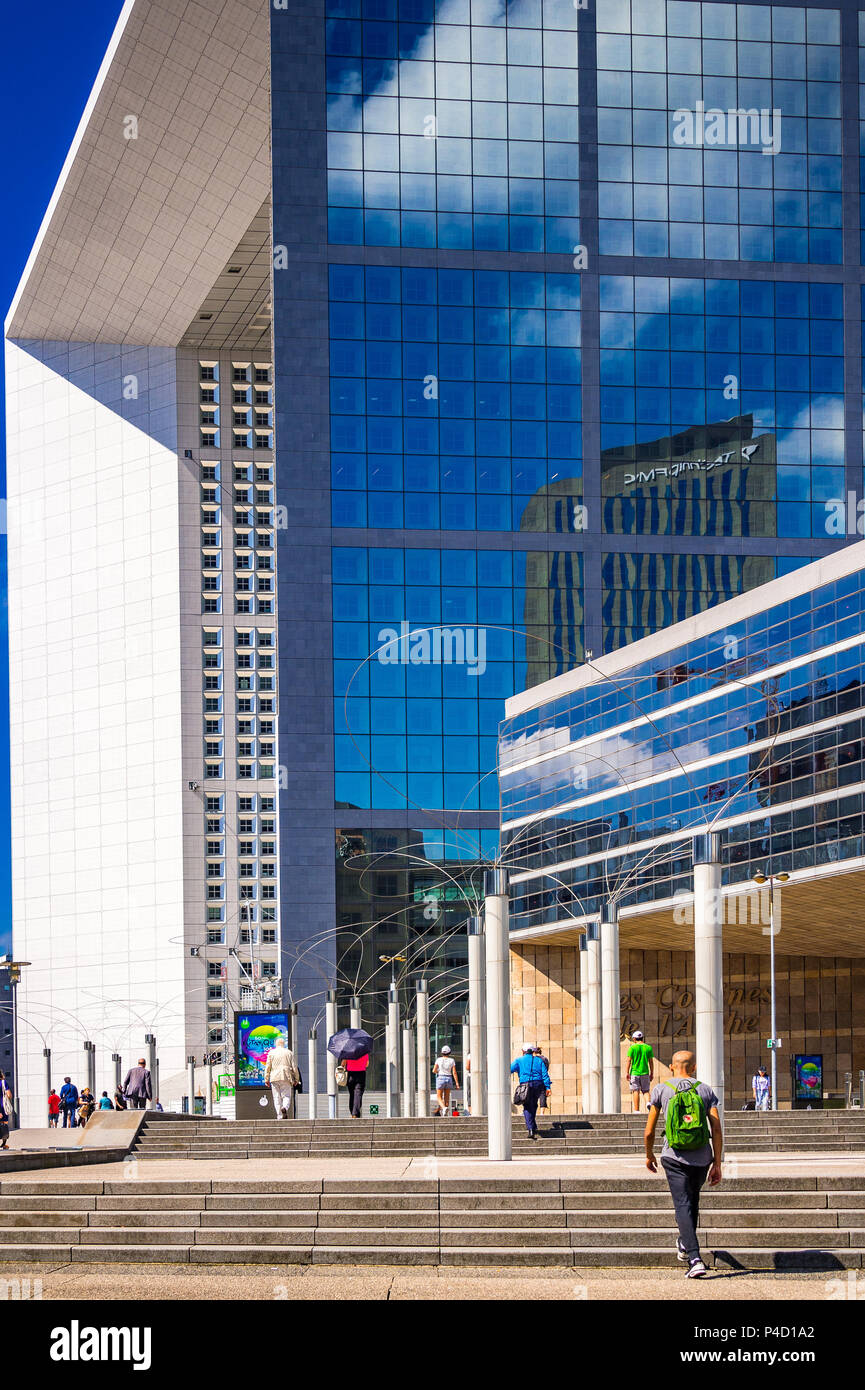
[350,1047]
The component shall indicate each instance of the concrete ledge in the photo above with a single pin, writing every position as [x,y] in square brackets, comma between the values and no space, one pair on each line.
[17,1161]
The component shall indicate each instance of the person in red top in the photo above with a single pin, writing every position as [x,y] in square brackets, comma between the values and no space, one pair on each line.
[356,1084]
[53,1108]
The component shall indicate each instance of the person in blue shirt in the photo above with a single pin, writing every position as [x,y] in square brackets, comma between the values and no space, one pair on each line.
[69,1103]
[531,1071]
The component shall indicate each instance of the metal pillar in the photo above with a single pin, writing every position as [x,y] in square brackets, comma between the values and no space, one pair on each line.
[584,1026]
[496,910]
[312,1080]
[330,1023]
[407,1069]
[209,1102]
[422,1025]
[709,964]
[152,1067]
[477,1012]
[354,1012]
[392,1041]
[90,1065]
[611,1018]
[294,1044]
[468,1089]
[593,1000]
[118,1069]
[862,1090]
[190,1087]
[46,1053]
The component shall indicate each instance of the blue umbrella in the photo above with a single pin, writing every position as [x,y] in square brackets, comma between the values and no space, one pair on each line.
[349,1044]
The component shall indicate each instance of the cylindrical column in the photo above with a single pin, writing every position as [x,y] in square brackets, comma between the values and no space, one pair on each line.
[312,1081]
[407,1070]
[709,963]
[152,1066]
[118,1068]
[468,1089]
[611,1019]
[477,1011]
[496,910]
[209,1103]
[190,1084]
[294,1044]
[862,1090]
[330,1023]
[593,1000]
[46,1053]
[392,1043]
[354,1013]
[584,1026]
[423,1064]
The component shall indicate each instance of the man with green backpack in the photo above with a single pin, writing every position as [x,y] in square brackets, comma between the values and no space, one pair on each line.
[693,1144]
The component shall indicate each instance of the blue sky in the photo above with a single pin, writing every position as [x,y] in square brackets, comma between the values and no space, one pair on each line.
[51,55]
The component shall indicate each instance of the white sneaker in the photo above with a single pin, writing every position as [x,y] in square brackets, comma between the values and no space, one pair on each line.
[696,1270]
[680,1251]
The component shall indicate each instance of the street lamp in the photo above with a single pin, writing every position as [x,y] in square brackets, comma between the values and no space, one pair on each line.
[15,967]
[761,878]
[389,960]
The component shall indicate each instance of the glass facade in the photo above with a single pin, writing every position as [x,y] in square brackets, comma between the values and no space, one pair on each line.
[754,730]
[567,348]
[691,97]
[453,124]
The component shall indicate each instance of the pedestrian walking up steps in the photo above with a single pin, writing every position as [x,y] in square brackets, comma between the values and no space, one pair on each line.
[807,1223]
[575,1136]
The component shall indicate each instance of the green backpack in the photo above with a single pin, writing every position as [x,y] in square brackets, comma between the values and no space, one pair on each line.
[687,1126]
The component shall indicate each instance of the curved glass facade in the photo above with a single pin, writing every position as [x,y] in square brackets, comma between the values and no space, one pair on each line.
[754,730]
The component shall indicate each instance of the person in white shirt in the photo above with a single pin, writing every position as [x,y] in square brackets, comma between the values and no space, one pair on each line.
[445,1071]
[281,1075]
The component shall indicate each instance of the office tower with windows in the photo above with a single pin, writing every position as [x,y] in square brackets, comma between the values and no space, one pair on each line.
[565,305]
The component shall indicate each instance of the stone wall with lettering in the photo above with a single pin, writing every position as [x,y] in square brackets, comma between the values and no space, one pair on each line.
[820,1008]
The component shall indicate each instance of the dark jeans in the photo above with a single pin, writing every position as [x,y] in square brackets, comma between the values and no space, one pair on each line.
[136,1102]
[530,1106]
[356,1087]
[686,1180]
[68,1112]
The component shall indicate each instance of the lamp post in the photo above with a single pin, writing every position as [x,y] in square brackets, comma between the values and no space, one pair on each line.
[15,967]
[761,878]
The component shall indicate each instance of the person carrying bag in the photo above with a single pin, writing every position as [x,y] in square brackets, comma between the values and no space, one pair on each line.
[533,1080]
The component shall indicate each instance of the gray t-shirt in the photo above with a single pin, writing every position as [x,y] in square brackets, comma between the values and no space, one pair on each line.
[661,1096]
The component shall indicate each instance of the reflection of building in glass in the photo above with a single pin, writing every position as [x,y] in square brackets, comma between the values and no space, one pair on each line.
[709,480]
[749,720]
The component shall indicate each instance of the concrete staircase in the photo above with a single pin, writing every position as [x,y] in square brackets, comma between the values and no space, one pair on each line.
[814,1131]
[750,1223]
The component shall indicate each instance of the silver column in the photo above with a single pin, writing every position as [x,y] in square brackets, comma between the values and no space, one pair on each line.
[477,1012]
[312,1079]
[423,1063]
[407,1069]
[593,999]
[584,1026]
[496,912]
[611,1019]
[709,962]
[190,1084]
[209,1101]
[354,1013]
[468,1088]
[152,1065]
[330,1023]
[46,1053]
[392,1044]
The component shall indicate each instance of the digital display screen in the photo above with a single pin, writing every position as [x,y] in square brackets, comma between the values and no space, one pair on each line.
[808,1076]
[255,1035]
